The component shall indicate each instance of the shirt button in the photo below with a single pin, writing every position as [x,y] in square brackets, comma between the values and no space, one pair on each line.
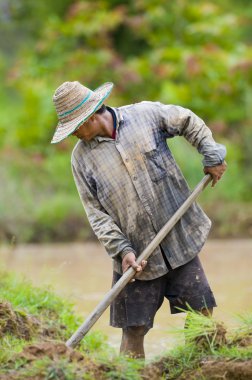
[134,178]
[126,160]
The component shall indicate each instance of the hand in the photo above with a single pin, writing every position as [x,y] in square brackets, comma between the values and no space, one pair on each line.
[129,260]
[216,172]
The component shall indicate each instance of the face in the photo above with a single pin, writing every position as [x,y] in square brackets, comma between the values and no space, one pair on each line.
[88,130]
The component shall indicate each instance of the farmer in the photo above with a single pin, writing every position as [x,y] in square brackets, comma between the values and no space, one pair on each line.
[130,186]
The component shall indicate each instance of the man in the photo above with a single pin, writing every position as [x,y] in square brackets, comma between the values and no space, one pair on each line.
[130,185]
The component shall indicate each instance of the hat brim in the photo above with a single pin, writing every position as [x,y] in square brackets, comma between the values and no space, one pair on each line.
[66,129]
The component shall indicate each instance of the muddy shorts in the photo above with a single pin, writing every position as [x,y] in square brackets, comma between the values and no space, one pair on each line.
[139,301]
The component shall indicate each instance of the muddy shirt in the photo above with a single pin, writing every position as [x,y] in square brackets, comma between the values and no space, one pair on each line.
[131,186]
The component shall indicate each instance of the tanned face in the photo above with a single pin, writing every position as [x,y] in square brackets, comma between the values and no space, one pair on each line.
[96,125]
[88,130]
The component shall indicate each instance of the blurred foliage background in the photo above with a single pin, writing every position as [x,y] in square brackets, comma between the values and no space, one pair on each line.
[194,53]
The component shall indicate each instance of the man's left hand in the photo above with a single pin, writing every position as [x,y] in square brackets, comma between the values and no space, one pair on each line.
[216,172]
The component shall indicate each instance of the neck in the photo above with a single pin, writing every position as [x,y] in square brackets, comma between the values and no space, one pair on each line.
[107,124]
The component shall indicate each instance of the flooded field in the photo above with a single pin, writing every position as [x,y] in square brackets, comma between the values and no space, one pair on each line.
[82,273]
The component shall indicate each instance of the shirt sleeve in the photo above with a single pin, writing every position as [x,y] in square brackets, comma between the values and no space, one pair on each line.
[104,227]
[179,121]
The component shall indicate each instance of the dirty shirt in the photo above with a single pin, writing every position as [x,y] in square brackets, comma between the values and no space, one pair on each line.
[131,186]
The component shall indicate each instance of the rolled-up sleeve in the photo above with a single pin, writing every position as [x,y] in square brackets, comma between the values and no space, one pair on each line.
[179,121]
[104,227]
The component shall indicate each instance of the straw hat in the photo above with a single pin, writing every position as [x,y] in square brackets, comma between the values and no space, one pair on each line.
[74,104]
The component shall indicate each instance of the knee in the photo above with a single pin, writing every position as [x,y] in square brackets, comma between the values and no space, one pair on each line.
[135,331]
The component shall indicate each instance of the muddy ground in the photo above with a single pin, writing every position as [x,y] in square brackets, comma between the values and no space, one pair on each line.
[26,327]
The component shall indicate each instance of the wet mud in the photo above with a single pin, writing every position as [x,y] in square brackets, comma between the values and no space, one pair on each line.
[17,323]
[221,369]
[209,368]
[27,327]
[55,353]
[24,326]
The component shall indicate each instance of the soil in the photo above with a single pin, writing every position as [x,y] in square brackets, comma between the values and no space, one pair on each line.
[27,327]
[221,369]
[217,338]
[55,351]
[17,323]
[52,350]
[158,370]
[243,341]
[208,370]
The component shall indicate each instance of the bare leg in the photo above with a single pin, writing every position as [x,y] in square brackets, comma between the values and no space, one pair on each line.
[132,343]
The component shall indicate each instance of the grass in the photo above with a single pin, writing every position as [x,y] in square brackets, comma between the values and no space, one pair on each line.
[9,346]
[205,338]
[40,302]
[57,315]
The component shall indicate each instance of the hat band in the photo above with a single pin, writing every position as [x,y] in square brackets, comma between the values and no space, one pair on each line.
[77,107]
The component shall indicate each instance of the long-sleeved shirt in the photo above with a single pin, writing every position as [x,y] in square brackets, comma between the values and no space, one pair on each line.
[131,186]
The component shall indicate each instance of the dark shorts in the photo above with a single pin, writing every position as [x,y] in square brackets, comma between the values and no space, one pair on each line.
[139,301]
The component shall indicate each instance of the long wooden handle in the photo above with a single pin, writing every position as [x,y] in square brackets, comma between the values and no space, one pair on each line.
[129,274]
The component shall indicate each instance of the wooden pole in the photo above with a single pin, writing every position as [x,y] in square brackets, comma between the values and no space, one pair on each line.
[130,273]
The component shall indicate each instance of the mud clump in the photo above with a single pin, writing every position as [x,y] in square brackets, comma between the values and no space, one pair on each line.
[216,338]
[24,326]
[221,369]
[208,369]
[243,340]
[52,350]
[158,369]
[55,352]
[17,323]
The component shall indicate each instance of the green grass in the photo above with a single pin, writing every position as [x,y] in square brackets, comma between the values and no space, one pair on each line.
[9,346]
[203,337]
[40,302]
[53,312]
[48,370]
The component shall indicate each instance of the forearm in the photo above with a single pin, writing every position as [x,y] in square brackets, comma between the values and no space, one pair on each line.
[180,121]
[108,233]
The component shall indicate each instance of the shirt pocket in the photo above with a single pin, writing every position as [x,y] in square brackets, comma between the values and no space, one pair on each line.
[155,164]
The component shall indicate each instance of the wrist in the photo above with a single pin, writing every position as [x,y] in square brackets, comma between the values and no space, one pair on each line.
[126,251]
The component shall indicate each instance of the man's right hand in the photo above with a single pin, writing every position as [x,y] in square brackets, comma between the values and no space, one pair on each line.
[129,260]
[216,172]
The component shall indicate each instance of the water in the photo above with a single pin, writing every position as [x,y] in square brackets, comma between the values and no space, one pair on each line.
[82,273]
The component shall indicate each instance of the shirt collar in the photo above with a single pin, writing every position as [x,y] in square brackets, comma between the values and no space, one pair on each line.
[119,116]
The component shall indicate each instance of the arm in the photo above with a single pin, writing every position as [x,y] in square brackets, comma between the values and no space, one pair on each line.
[104,227]
[179,121]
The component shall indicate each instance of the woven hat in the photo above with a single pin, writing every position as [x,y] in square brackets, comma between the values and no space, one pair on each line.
[74,104]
